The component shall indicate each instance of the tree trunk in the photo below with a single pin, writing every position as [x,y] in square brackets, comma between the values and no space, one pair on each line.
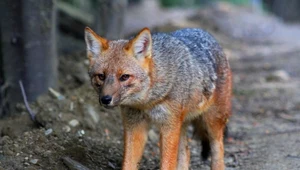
[28,30]
[287,10]
[109,18]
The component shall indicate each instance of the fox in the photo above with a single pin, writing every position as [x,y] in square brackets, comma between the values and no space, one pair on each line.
[171,80]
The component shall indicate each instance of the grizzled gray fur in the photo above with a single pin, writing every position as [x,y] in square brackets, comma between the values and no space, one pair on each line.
[171,80]
[189,58]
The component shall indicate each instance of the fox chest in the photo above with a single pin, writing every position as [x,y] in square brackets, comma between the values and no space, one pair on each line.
[158,114]
[161,113]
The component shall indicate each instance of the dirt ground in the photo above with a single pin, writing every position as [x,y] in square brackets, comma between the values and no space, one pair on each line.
[264,131]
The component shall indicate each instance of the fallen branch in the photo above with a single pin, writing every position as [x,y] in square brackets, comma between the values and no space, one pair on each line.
[293,156]
[73,165]
[31,114]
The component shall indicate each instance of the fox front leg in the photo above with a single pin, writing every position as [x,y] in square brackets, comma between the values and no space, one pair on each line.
[135,137]
[169,144]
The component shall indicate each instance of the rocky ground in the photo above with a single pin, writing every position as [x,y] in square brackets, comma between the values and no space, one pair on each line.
[264,131]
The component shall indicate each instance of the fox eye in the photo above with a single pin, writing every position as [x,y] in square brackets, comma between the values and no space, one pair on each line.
[101,77]
[124,77]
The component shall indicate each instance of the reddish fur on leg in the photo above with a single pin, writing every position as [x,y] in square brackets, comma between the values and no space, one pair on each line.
[135,139]
[169,143]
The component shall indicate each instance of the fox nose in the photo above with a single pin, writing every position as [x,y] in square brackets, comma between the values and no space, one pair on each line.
[106,99]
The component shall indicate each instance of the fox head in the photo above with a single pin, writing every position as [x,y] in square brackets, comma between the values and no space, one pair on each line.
[120,70]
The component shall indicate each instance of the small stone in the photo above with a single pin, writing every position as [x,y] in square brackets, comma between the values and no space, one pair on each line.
[74,123]
[33,161]
[48,132]
[229,160]
[26,158]
[66,128]
[71,106]
[80,133]
[26,164]
[281,74]
[153,136]
[81,100]
[17,154]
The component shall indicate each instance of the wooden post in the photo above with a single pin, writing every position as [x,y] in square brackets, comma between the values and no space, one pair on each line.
[28,30]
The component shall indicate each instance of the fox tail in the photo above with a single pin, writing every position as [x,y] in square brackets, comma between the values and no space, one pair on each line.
[201,133]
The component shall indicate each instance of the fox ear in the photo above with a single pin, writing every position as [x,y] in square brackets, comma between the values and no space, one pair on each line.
[141,44]
[94,43]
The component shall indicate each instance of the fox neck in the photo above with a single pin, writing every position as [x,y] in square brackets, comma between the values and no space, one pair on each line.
[157,88]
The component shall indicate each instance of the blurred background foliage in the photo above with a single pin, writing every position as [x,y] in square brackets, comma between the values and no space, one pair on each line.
[288,10]
[21,47]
